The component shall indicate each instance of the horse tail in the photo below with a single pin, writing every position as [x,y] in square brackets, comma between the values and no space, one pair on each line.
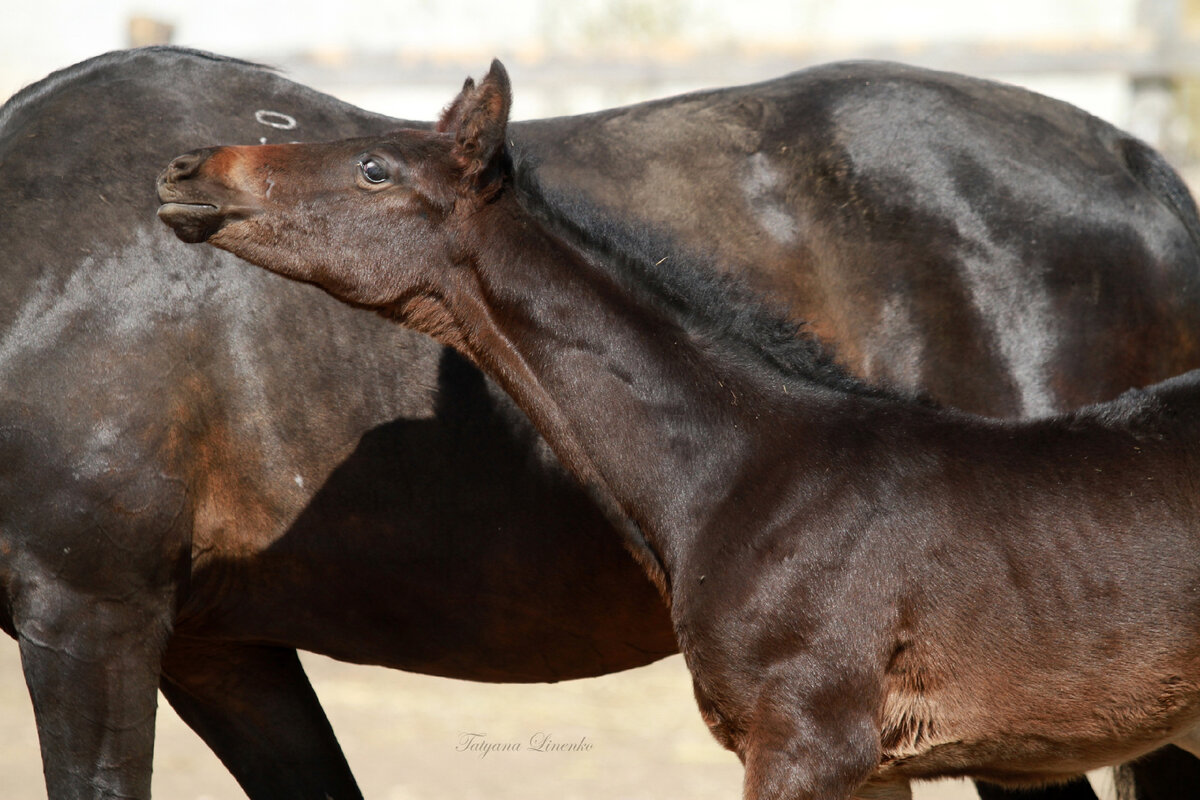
[1153,172]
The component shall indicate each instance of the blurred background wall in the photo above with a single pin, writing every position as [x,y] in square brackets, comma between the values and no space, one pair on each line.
[1129,61]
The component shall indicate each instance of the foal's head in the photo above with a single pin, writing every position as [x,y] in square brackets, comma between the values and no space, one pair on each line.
[366,219]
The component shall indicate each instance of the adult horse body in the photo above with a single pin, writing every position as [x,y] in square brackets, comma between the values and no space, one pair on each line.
[206,467]
[867,590]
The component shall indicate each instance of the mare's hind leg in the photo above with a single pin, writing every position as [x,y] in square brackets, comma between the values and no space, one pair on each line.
[255,708]
[1077,789]
[1168,773]
[92,668]
[1190,741]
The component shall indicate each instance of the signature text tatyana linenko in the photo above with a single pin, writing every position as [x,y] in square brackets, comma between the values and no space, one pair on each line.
[479,744]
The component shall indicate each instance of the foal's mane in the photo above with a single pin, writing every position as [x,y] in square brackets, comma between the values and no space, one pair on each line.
[718,308]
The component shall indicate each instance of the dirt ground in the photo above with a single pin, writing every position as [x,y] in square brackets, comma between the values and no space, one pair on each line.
[631,736]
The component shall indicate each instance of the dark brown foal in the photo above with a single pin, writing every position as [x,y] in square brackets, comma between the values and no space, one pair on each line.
[868,590]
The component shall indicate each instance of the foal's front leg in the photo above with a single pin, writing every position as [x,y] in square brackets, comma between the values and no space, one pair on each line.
[895,790]
[815,744]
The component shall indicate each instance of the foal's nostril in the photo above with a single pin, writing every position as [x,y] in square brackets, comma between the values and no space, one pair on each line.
[175,181]
[185,166]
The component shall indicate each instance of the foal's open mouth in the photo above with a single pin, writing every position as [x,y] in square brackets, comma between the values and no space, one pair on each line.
[192,222]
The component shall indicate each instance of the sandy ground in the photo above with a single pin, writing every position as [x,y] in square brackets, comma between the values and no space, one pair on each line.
[404,736]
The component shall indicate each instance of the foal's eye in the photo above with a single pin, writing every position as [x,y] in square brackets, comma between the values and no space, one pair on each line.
[372,170]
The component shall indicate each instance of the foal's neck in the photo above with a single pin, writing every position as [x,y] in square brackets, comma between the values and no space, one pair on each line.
[646,414]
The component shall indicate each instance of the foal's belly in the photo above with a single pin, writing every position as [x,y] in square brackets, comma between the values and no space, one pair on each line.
[1047,738]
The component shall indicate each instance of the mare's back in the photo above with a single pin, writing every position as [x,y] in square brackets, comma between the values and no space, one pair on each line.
[1006,252]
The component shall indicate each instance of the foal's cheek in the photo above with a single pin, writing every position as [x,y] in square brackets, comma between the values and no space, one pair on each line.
[263,248]
[227,239]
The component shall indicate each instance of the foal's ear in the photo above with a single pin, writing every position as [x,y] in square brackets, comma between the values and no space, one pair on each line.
[453,112]
[478,118]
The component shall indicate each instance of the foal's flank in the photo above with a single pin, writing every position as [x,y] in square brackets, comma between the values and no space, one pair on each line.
[867,589]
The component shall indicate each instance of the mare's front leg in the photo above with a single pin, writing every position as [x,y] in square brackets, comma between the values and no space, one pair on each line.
[92,667]
[92,552]
[253,705]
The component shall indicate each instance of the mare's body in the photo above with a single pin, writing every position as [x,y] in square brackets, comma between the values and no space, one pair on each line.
[867,590]
[206,467]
